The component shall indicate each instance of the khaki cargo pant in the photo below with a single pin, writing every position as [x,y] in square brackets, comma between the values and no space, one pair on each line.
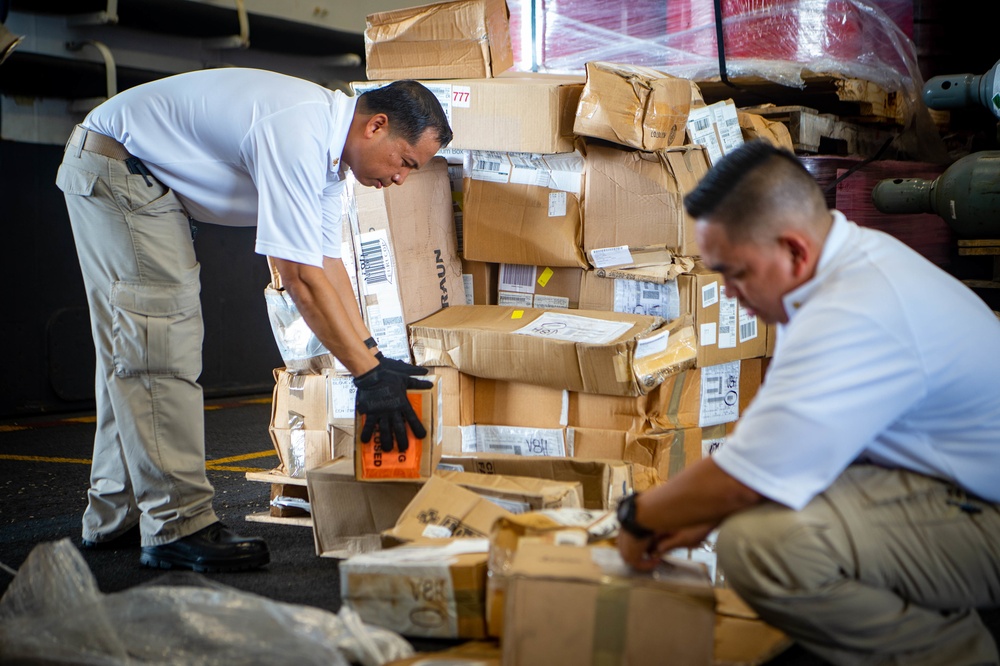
[143,290]
[885,567]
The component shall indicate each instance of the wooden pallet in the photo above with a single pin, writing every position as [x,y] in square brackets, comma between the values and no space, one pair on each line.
[817,133]
[982,248]
[856,100]
[281,486]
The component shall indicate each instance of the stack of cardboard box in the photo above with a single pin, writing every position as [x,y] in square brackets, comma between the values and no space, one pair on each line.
[579,350]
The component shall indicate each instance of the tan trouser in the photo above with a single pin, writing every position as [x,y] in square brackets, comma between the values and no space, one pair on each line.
[142,282]
[885,567]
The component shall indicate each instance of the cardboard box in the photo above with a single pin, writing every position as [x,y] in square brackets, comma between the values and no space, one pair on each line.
[481,280]
[560,527]
[539,286]
[300,450]
[604,482]
[406,236]
[758,127]
[518,494]
[447,40]
[726,332]
[634,106]
[444,509]
[350,515]
[457,395]
[667,452]
[504,403]
[573,605]
[470,653]
[299,400]
[579,350]
[428,590]
[516,440]
[658,299]
[634,200]
[524,208]
[741,637]
[420,458]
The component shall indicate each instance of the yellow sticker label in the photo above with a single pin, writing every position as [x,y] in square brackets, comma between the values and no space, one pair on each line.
[546,275]
[517,314]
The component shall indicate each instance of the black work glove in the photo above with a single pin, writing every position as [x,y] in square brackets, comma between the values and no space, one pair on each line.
[381,397]
[399,367]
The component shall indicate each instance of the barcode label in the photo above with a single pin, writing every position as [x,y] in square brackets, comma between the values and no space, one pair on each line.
[497,447]
[373,265]
[518,278]
[490,166]
[748,325]
[709,295]
[727,323]
[700,125]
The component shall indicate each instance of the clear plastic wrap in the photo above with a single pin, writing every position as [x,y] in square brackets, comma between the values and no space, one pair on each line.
[300,349]
[53,613]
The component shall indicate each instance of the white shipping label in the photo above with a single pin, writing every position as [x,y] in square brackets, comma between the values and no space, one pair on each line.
[461,97]
[727,125]
[529,169]
[545,302]
[707,334]
[442,91]
[727,322]
[748,325]
[604,257]
[711,446]
[489,166]
[380,297]
[520,441]
[518,278]
[648,298]
[709,295]
[469,283]
[720,394]
[655,344]
[557,204]
[417,599]
[701,130]
[514,299]
[341,393]
[573,328]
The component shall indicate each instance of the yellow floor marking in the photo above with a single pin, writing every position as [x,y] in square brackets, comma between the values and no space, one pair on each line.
[81,419]
[81,461]
[229,468]
[12,428]
[245,456]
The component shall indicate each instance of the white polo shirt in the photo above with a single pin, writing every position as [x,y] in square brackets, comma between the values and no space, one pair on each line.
[885,359]
[243,147]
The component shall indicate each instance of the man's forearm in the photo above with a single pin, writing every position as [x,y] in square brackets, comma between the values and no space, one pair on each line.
[337,274]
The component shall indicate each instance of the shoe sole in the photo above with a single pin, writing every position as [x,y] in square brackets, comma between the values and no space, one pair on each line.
[247,564]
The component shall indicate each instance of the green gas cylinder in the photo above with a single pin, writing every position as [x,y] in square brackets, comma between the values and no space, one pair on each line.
[953,91]
[966,195]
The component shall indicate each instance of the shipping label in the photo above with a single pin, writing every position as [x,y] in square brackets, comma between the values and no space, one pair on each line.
[720,394]
[518,278]
[380,296]
[574,328]
[519,441]
[748,325]
[727,322]
[648,298]
[606,257]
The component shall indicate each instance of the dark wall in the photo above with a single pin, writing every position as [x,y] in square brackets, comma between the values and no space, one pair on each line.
[48,363]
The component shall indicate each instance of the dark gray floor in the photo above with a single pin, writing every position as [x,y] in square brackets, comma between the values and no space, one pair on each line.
[43,500]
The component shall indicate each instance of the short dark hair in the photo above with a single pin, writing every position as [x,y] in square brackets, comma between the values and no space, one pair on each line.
[412,109]
[752,186]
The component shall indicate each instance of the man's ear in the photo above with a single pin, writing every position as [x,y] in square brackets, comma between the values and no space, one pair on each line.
[800,250]
[375,124]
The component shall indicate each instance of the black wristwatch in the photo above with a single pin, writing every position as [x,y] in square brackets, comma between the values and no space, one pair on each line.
[371,343]
[626,518]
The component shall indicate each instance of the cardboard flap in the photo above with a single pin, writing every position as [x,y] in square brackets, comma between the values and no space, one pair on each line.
[443,508]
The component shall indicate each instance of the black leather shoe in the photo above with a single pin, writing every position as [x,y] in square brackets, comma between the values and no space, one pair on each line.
[214,548]
[130,538]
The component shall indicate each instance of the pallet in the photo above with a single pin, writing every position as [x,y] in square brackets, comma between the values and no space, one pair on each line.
[817,133]
[282,486]
[856,100]
[986,247]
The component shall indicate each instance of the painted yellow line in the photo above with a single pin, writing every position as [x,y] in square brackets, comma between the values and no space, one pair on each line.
[245,456]
[81,461]
[229,468]
[81,419]
[12,428]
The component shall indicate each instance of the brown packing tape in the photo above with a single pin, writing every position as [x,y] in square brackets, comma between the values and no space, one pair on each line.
[678,460]
[610,624]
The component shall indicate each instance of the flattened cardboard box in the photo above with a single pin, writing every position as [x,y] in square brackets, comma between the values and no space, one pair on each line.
[444,509]
[447,40]
[604,482]
[434,589]
[406,237]
[518,494]
[350,515]
[581,605]
[568,349]
[372,463]
[634,199]
[634,106]
[524,209]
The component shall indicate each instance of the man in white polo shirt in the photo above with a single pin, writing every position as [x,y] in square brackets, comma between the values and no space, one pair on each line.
[858,495]
[238,147]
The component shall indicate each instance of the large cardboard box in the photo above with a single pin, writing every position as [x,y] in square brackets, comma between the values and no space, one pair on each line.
[726,330]
[299,400]
[604,482]
[445,40]
[524,208]
[445,509]
[481,279]
[406,236]
[539,286]
[635,106]
[667,452]
[519,494]
[503,403]
[573,605]
[741,637]
[593,352]
[350,515]
[372,463]
[431,589]
[634,199]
